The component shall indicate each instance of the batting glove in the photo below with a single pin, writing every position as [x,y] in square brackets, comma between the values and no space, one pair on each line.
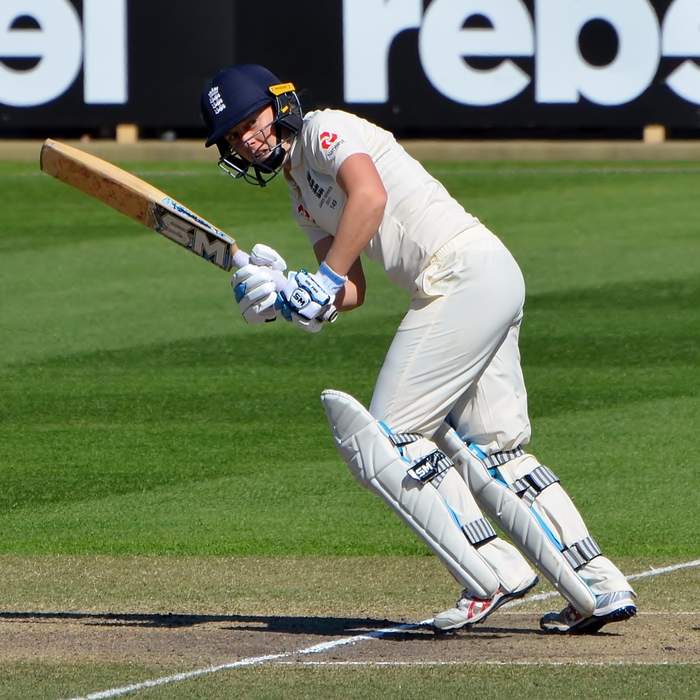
[264,256]
[254,291]
[311,296]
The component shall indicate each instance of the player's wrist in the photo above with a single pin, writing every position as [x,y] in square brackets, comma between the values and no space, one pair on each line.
[329,279]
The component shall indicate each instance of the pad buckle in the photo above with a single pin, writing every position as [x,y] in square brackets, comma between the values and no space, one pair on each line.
[531,485]
[581,552]
[479,532]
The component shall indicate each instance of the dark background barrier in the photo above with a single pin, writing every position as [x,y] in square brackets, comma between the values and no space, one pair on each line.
[439,67]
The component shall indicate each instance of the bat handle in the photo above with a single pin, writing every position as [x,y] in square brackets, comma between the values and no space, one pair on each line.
[330,315]
[241,258]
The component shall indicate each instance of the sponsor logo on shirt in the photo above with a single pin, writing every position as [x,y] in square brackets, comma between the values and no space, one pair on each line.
[327,138]
[322,193]
[303,211]
[330,142]
[315,187]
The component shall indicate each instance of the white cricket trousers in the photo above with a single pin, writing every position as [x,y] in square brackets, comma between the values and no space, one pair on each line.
[455,357]
[455,354]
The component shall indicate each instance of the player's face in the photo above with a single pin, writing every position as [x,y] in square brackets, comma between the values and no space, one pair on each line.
[254,137]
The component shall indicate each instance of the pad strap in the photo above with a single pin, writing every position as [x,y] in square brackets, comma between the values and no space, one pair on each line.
[430,466]
[532,484]
[479,532]
[497,458]
[581,552]
[403,439]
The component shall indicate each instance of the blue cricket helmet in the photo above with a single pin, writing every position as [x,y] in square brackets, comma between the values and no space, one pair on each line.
[232,95]
[235,93]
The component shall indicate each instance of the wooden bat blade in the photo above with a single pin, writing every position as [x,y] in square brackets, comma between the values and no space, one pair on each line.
[139,200]
[110,184]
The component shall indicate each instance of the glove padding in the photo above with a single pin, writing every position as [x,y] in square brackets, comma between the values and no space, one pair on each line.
[251,284]
[307,299]
[310,325]
[254,290]
[264,256]
[305,295]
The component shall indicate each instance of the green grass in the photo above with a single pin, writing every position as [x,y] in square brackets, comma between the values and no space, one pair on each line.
[139,415]
[391,589]
[144,427]
[477,681]
[437,681]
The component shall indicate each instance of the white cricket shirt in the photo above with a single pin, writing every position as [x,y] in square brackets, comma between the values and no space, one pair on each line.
[420,215]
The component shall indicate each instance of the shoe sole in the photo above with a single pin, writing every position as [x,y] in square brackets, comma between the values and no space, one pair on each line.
[502,601]
[593,624]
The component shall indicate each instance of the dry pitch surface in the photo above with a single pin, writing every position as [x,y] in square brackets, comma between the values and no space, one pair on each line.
[187,614]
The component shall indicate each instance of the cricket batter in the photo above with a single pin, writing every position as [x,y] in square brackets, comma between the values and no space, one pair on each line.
[446,433]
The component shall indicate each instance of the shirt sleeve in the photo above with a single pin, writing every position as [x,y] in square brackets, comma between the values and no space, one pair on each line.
[331,137]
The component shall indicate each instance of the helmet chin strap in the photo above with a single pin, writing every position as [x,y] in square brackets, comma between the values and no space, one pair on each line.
[239,168]
[272,165]
[277,154]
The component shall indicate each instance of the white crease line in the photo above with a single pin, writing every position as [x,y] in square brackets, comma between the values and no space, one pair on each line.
[334,644]
[651,613]
[494,662]
[251,661]
[666,614]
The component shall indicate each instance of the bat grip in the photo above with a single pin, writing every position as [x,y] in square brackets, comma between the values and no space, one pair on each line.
[241,258]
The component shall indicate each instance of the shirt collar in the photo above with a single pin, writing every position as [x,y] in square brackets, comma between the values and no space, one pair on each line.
[295,153]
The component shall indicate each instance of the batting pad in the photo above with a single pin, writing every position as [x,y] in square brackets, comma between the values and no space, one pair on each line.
[518,521]
[377,464]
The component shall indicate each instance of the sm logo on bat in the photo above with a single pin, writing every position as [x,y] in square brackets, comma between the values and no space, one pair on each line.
[199,241]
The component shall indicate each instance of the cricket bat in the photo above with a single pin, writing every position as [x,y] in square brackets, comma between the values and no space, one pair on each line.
[141,201]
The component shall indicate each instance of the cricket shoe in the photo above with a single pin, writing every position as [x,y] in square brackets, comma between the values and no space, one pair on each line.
[470,610]
[610,607]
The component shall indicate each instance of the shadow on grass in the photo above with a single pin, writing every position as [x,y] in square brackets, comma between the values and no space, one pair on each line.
[266,623]
[391,630]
